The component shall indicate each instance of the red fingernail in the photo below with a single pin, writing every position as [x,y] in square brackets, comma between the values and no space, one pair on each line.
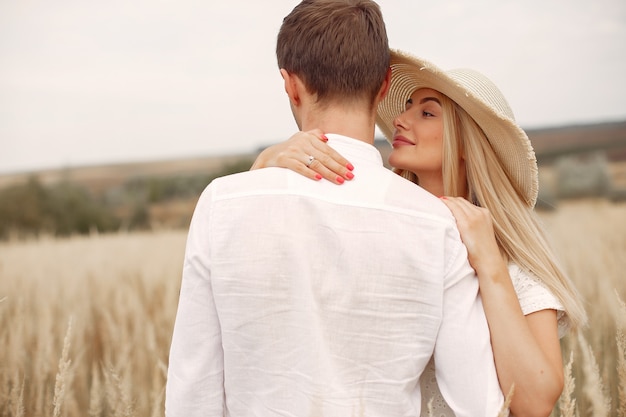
[349,166]
[340,180]
[443,198]
[349,175]
[324,138]
[318,177]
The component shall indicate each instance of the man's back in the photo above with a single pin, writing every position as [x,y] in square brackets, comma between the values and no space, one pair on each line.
[327,301]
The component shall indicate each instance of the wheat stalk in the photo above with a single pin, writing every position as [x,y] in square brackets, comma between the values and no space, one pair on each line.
[118,395]
[504,411]
[95,394]
[16,397]
[19,412]
[158,388]
[63,373]
[621,371]
[621,362]
[567,404]
[593,388]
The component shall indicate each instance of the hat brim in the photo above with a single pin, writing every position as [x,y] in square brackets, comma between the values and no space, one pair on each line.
[480,98]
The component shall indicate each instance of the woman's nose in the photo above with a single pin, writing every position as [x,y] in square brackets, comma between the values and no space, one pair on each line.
[400,122]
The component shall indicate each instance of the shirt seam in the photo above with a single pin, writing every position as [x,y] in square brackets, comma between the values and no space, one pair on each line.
[359,204]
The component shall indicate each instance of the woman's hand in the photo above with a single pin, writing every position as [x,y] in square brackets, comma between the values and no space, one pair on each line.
[296,152]
[526,349]
[476,228]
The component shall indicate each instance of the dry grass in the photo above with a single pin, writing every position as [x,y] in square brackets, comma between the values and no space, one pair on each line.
[590,237]
[85,323]
[120,293]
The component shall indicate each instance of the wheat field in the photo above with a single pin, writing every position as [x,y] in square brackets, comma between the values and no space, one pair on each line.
[85,322]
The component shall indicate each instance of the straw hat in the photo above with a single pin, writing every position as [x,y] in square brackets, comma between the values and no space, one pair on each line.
[480,98]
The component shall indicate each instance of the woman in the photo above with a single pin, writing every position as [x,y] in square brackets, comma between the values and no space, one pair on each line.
[454,134]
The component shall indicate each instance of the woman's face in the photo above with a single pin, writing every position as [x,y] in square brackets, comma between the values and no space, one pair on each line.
[418,136]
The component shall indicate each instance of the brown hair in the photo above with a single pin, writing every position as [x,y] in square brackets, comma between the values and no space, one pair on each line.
[339,48]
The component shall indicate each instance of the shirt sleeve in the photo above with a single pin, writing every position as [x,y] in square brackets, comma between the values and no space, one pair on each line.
[534,296]
[195,381]
[464,361]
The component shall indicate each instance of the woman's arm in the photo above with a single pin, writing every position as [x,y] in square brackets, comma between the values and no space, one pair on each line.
[294,155]
[526,348]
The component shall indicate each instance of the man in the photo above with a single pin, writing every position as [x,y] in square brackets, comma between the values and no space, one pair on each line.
[300,298]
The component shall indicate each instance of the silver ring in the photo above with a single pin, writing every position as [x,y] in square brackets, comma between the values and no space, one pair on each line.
[310,160]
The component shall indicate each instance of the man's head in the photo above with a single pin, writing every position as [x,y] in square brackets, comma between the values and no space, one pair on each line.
[337,48]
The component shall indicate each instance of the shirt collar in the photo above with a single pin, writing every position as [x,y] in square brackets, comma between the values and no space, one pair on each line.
[352,148]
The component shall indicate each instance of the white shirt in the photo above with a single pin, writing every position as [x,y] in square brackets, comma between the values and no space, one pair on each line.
[533,296]
[303,298]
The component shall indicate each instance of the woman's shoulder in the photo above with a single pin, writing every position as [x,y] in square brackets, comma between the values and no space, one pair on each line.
[534,296]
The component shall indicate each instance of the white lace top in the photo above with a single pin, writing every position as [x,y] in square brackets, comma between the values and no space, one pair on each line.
[533,296]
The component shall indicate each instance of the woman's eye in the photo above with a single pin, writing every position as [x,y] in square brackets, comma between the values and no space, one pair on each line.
[427,114]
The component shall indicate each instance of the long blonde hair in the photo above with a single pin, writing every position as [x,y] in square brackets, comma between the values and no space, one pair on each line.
[517,228]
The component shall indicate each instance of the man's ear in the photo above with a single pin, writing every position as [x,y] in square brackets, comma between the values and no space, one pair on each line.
[384,89]
[291,86]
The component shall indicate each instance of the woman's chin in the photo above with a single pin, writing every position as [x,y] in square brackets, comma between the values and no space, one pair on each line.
[399,161]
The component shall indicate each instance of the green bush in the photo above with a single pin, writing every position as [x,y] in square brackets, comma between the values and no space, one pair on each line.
[66,208]
[584,175]
[30,209]
[22,208]
[158,189]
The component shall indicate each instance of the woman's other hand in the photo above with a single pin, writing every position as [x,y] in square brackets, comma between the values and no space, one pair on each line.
[533,341]
[296,152]
[476,228]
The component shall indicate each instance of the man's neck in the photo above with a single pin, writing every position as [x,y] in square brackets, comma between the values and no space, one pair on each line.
[342,120]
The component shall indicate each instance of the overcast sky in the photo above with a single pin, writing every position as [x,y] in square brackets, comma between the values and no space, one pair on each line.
[86,81]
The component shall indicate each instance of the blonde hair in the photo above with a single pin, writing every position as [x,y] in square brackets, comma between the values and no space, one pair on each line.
[517,229]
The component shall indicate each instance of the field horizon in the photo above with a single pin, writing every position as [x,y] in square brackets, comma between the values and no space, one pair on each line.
[549,142]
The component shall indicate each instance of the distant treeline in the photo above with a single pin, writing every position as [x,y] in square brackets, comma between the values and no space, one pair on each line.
[580,176]
[65,208]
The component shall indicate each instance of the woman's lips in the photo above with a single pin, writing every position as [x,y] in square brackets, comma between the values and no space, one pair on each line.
[401,141]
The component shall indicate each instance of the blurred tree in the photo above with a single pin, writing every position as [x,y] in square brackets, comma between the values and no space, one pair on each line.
[30,209]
